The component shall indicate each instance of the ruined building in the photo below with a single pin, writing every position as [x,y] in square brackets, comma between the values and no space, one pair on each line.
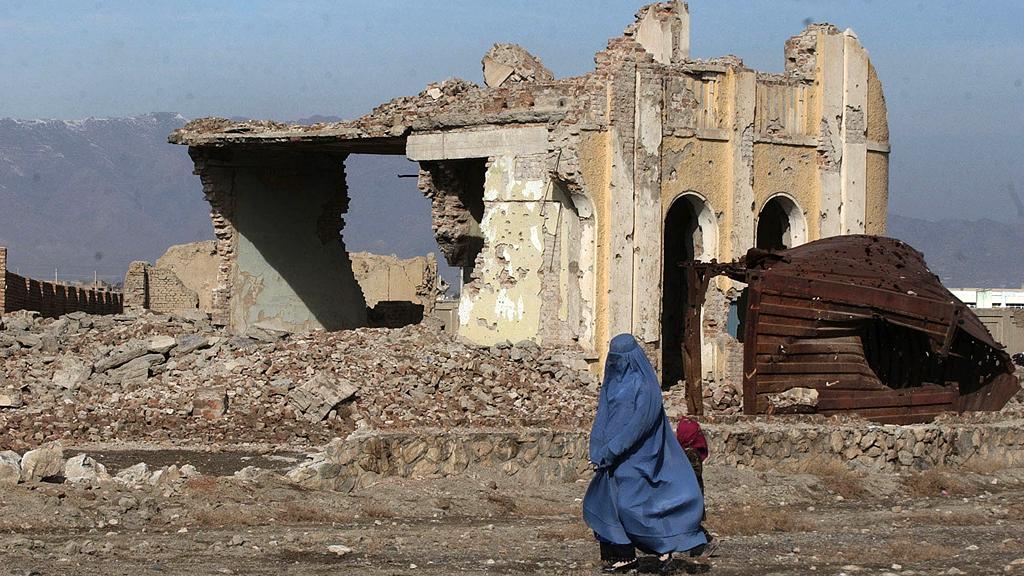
[568,203]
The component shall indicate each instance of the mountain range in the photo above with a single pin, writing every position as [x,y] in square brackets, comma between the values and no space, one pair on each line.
[92,195]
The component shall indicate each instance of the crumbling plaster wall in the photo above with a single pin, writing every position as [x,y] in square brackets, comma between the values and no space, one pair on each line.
[504,299]
[877,187]
[702,167]
[594,170]
[534,273]
[282,212]
[389,278]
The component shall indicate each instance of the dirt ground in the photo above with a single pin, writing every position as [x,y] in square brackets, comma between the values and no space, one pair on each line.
[817,520]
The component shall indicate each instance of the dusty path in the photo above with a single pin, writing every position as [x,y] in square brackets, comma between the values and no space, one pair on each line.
[769,522]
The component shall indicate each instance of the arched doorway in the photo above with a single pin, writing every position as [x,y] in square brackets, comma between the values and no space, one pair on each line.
[690,234]
[780,224]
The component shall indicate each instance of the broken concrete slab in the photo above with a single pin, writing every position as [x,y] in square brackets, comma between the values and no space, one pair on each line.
[319,395]
[71,372]
[161,344]
[137,370]
[280,387]
[188,343]
[511,63]
[122,356]
[477,144]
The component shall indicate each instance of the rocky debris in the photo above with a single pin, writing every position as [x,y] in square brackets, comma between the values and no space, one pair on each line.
[339,549]
[722,398]
[82,468]
[42,463]
[139,387]
[794,400]
[71,372]
[511,63]
[10,468]
[10,398]
[161,344]
[315,399]
[134,475]
[211,402]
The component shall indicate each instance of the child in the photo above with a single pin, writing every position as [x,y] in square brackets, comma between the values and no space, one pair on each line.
[695,445]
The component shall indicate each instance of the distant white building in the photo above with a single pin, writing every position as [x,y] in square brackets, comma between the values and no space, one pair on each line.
[990,297]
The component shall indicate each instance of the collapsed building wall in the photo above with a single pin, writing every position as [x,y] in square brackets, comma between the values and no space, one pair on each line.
[399,291]
[158,289]
[195,265]
[52,299]
[390,278]
[555,196]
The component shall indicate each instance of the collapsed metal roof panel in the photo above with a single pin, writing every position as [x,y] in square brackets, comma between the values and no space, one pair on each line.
[860,324]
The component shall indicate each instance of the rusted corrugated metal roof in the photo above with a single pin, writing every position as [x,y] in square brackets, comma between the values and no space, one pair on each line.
[859,323]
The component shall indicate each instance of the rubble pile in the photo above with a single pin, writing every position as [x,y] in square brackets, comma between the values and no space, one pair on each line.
[156,377]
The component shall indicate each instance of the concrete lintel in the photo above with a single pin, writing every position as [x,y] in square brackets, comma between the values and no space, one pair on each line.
[477,144]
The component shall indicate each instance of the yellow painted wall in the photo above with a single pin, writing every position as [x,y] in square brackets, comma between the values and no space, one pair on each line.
[877,189]
[701,166]
[793,170]
[878,119]
[595,166]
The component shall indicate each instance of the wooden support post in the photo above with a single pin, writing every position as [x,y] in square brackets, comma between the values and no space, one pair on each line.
[697,277]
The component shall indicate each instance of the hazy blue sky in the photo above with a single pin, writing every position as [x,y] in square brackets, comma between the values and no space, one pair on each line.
[952,71]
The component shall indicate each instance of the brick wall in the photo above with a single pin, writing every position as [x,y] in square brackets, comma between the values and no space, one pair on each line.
[52,299]
[157,289]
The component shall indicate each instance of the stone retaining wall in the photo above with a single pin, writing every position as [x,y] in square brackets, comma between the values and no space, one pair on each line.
[540,456]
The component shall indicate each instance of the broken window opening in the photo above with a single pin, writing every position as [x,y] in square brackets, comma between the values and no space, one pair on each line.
[455,189]
[388,235]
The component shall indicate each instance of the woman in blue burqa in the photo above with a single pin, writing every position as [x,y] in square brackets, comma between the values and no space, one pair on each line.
[644,494]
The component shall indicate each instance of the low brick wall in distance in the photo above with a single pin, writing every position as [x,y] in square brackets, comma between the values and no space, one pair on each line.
[52,299]
[537,456]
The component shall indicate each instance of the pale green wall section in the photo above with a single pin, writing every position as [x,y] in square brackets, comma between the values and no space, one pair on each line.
[286,275]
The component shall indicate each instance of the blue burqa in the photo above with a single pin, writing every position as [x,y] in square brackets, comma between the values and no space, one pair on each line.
[644,491]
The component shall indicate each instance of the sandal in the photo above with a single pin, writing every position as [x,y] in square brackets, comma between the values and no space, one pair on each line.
[665,564]
[622,567]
